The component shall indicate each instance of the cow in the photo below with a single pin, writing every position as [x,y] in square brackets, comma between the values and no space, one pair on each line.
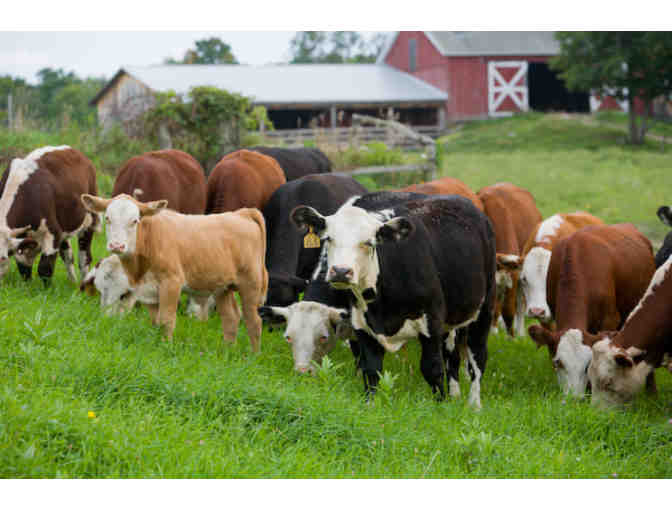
[118,296]
[421,269]
[514,215]
[665,250]
[40,211]
[289,260]
[596,277]
[168,174]
[533,263]
[297,162]
[445,186]
[209,254]
[242,179]
[624,361]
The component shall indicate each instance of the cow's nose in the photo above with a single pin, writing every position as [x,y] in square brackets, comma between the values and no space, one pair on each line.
[340,274]
[537,313]
[3,258]
[302,369]
[116,247]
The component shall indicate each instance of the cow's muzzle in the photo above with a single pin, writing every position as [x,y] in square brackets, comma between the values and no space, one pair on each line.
[538,313]
[116,247]
[338,274]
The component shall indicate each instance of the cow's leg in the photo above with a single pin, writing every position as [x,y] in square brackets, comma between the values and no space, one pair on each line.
[25,270]
[65,250]
[477,350]
[45,269]
[370,361]
[169,297]
[451,354]
[519,319]
[230,315]
[84,240]
[651,387]
[250,304]
[431,364]
[509,310]
[153,311]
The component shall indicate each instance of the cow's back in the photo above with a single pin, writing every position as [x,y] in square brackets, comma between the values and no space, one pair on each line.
[446,186]
[297,162]
[242,179]
[168,174]
[557,227]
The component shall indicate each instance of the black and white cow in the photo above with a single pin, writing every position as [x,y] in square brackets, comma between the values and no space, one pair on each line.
[289,263]
[421,269]
[665,215]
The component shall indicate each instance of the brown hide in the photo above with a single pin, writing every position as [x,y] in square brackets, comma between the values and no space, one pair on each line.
[445,186]
[597,276]
[571,222]
[169,174]
[243,179]
[514,215]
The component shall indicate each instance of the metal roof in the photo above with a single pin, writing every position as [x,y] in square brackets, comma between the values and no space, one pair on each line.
[292,83]
[462,44]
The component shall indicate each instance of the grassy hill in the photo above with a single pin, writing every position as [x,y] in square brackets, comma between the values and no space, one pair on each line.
[86,395]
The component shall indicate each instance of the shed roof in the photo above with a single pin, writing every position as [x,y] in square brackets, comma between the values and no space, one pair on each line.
[292,84]
[462,44]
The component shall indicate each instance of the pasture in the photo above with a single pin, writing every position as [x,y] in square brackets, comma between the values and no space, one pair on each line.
[85,395]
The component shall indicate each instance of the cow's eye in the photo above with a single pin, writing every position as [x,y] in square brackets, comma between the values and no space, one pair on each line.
[289,339]
[367,244]
[557,364]
[135,222]
[107,219]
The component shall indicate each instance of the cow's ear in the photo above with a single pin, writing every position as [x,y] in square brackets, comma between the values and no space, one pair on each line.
[274,314]
[26,245]
[395,230]
[304,217]
[589,339]
[508,261]
[542,336]
[665,215]
[95,204]
[623,360]
[298,284]
[636,353]
[338,315]
[15,232]
[87,284]
[152,208]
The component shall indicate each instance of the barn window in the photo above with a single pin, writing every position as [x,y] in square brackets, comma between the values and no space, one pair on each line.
[412,54]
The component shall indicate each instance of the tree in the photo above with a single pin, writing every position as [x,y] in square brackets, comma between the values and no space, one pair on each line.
[626,65]
[207,51]
[334,47]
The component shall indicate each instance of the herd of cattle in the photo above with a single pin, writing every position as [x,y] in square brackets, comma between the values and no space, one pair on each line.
[434,262]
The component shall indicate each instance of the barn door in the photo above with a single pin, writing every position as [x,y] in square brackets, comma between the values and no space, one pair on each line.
[507,88]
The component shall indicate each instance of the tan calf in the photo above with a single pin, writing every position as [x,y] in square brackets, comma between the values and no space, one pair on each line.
[217,254]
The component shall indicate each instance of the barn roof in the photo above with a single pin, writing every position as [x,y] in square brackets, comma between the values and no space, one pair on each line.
[291,84]
[464,44]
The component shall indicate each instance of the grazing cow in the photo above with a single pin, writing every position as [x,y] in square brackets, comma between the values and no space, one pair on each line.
[421,269]
[298,162]
[445,186]
[514,215]
[209,254]
[242,179]
[596,276]
[624,361]
[118,296]
[665,250]
[290,262]
[166,174]
[533,264]
[40,211]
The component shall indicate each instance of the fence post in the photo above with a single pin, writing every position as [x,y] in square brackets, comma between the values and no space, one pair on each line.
[10,111]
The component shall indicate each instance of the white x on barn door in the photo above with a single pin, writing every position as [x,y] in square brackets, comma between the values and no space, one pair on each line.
[507,80]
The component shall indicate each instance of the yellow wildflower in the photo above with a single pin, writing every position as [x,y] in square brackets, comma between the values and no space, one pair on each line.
[92,414]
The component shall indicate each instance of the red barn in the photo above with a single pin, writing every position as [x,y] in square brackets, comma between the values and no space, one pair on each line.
[489,74]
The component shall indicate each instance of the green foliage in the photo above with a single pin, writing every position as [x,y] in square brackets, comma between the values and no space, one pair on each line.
[626,65]
[208,51]
[335,47]
[207,123]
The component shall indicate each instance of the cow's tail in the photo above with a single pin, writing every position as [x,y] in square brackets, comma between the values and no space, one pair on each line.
[256,216]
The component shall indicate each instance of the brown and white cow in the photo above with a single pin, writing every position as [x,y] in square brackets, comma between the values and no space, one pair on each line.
[623,362]
[168,174]
[445,186]
[209,254]
[39,201]
[514,215]
[243,179]
[533,263]
[596,277]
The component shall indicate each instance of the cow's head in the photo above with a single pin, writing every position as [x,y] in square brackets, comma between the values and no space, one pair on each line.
[109,279]
[616,374]
[532,283]
[570,352]
[508,267]
[284,289]
[9,243]
[122,217]
[351,236]
[665,215]
[312,329]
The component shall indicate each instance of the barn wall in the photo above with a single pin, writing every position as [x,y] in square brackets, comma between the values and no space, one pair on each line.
[126,99]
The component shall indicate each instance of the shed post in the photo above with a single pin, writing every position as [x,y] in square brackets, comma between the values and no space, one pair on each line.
[332,116]
[441,118]
[10,111]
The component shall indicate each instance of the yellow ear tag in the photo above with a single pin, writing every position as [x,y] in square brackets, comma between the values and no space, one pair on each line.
[311,239]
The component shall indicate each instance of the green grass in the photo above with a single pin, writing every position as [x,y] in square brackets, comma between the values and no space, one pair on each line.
[193,408]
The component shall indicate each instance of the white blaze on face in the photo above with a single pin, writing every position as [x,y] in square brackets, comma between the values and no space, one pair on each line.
[533,281]
[122,217]
[348,230]
[612,383]
[548,228]
[571,362]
